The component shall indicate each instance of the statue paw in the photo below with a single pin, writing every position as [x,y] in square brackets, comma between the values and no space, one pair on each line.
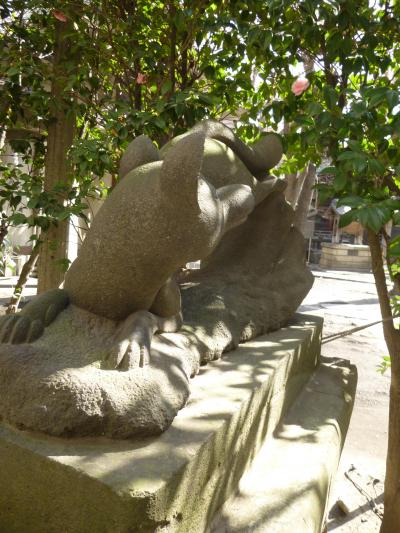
[29,324]
[128,354]
[17,329]
[132,343]
[131,348]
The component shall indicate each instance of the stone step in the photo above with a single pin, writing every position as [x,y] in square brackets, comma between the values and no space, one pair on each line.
[171,483]
[288,485]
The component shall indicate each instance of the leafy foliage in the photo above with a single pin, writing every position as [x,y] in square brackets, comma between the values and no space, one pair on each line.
[130,68]
[352,113]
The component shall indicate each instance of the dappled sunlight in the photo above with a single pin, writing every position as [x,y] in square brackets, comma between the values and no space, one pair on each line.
[235,403]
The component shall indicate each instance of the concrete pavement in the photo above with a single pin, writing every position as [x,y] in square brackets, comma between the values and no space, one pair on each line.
[346,300]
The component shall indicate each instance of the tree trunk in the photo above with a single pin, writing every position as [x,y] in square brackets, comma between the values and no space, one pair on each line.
[23,278]
[172,51]
[304,200]
[3,135]
[3,231]
[391,518]
[59,140]
[4,110]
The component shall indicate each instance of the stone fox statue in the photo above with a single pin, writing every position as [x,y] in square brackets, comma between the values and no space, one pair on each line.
[170,207]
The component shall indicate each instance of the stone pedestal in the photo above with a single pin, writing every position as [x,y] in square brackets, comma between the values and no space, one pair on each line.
[288,485]
[354,257]
[175,482]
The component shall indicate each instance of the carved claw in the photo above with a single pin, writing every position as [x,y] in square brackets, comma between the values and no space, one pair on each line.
[7,325]
[28,325]
[129,353]
[17,329]
[132,346]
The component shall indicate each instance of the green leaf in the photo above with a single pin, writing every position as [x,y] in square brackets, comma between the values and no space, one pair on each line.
[328,170]
[394,247]
[123,133]
[325,192]
[360,163]
[351,201]
[348,217]
[17,219]
[303,120]
[63,215]
[323,121]
[330,96]
[346,156]
[267,39]
[379,95]
[374,217]
[33,203]
[159,122]
[166,87]
[313,108]
[13,71]
[43,223]
[355,146]
[340,182]
[357,160]
[63,264]
[392,98]
[207,99]
[376,167]
[15,200]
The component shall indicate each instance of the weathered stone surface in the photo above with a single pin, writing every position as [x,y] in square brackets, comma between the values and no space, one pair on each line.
[176,481]
[288,485]
[254,281]
[164,214]
[252,284]
[122,290]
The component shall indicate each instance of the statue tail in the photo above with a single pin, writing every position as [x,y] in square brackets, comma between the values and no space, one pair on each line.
[258,158]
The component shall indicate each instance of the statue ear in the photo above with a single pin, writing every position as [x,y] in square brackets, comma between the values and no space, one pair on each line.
[181,167]
[269,149]
[139,152]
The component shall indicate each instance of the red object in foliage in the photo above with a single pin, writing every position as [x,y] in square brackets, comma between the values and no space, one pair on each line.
[300,85]
[141,79]
[59,15]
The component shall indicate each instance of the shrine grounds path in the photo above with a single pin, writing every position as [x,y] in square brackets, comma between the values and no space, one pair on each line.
[346,300]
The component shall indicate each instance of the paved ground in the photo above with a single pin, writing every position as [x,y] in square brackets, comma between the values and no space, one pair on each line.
[6,288]
[346,300]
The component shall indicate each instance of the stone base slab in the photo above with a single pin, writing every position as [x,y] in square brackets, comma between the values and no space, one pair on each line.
[174,482]
[288,485]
